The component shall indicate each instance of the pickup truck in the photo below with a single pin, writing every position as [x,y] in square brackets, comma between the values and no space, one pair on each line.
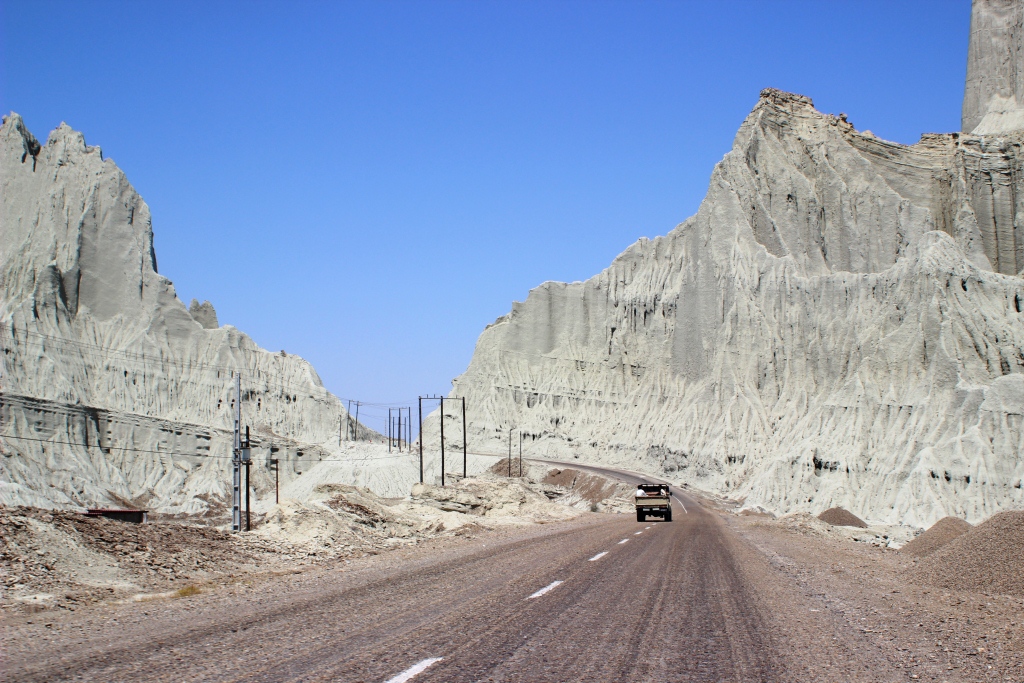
[655,501]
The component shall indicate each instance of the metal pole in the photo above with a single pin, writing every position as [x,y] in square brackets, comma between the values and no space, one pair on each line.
[399,430]
[390,424]
[420,437]
[442,441]
[277,486]
[355,427]
[236,455]
[520,452]
[465,460]
[348,420]
[510,452]
[248,510]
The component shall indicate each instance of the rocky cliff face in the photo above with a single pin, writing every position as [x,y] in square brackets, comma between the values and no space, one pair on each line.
[840,324]
[111,391]
[994,96]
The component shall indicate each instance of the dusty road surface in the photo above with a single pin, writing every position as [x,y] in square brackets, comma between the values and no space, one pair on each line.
[599,599]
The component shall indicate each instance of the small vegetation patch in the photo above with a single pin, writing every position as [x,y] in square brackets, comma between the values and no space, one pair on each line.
[188,591]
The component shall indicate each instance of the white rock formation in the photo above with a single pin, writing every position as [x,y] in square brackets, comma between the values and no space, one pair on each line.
[112,392]
[994,96]
[204,314]
[839,324]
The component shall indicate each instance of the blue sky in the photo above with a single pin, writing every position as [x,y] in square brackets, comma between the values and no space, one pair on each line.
[368,185]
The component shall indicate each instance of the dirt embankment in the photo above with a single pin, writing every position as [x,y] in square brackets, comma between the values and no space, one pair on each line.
[64,559]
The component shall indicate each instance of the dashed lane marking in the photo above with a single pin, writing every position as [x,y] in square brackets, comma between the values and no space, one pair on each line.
[598,556]
[545,589]
[625,540]
[414,670]
[638,533]
[647,527]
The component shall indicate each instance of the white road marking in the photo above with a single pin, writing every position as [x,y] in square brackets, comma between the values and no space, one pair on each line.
[598,556]
[638,533]
[681,503]
[647,527]
[542,591]
[625,540]
[414,670]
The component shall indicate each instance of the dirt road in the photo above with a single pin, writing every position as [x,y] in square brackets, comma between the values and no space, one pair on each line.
[603,599]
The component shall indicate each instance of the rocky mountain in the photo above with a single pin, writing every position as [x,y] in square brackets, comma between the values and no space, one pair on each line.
[839,324]
[113,392]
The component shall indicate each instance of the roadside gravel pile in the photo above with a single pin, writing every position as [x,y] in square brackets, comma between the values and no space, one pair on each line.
[988,558]
[936,536]
[841,517]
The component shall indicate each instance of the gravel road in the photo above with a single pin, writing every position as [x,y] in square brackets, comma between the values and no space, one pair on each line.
[600,599]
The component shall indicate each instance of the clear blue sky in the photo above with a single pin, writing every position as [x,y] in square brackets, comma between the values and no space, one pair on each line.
[368,185]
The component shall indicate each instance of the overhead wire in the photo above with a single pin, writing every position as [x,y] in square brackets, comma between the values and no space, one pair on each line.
[185,455]
[104,353]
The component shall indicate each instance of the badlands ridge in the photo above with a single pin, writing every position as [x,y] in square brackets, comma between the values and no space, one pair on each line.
[839,325]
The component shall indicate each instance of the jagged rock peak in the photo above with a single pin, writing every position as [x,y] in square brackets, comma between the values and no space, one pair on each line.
[781,97]
[14,126]
[204,314]
[994,92]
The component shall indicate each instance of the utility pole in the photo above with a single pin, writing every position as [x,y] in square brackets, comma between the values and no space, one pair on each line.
[510,452]
[465,460]
[391,424]
[236,456]
[247,461]
[348,420]
[421,437]
[399,430]
[276,464]
[355,427]
[442,441]
[520,452]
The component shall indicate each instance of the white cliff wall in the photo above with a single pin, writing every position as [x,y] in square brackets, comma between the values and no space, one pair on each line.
[994,96]
[827,330]
[111,391]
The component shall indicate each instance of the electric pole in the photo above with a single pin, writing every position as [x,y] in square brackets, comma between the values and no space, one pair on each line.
[465,460]
[236,456]
[420,437]
[247,461]
[275,463]
[442,441]
[520,452]
[510,452]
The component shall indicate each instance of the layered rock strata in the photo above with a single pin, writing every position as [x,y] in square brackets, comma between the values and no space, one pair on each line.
[112,391]
[839,325]
[994,96]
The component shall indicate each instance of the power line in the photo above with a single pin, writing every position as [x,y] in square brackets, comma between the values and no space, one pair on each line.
[104,353]
[179,454]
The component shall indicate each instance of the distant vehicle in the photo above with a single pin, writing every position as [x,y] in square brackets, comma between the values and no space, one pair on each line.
[653,499]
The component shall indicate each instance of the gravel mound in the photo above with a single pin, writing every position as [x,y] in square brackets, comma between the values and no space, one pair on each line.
[937,535]
[841,517]
[988,558]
